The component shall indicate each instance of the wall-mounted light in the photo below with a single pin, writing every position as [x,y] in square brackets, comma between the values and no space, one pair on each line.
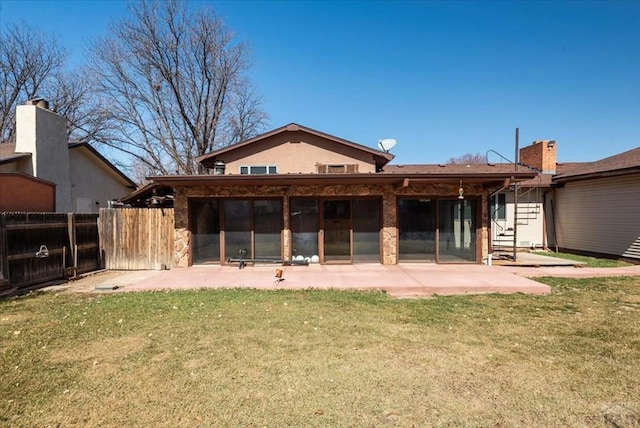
[460,191]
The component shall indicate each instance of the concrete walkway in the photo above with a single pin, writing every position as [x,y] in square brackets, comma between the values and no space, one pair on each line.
[572,271]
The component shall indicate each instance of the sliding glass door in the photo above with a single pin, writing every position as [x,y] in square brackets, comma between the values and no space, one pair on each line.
[252,228]
[349,228]
[267,226]
[337,230]
[457,228]
[205,230]
[437,230]
[417,229]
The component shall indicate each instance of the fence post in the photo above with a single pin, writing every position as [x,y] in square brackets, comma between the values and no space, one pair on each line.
[4,254]
[71,230]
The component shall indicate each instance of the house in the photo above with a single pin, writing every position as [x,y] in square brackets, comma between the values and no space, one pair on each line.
[595,207]
[59,176]
[295,193]
[580,207]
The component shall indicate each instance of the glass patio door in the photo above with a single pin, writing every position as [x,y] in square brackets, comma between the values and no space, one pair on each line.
[417,229]
[337,230]
[205,229]
[457,231]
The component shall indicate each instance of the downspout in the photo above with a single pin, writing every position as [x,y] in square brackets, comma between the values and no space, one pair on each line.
[553,216]
[544,221]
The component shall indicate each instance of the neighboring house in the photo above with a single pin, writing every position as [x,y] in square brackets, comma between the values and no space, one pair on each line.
[41,157]
[296,193]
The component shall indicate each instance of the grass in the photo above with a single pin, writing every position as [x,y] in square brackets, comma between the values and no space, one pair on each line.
[588,261]
[323,358]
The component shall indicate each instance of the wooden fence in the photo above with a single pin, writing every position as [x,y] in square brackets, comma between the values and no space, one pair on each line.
[40,247]
[137,238]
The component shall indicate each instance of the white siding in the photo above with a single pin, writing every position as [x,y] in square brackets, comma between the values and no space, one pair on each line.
[530,228]
[600,215]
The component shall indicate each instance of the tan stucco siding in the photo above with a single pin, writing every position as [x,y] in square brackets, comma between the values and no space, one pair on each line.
[93,181]
[599,215]
[296,152]
[44,134]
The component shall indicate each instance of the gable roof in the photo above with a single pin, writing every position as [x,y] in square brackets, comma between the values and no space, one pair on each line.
[381,158]
[8,153]
[621,164]
[104,160]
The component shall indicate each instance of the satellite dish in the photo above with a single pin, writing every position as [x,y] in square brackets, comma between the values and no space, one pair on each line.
[387,144]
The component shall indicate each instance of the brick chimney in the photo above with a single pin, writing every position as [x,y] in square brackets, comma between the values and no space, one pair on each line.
[541,155]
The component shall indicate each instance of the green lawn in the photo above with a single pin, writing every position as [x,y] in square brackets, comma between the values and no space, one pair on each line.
[588,261]
[323,358]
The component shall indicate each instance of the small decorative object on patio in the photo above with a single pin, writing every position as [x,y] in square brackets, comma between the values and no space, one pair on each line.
[279,278]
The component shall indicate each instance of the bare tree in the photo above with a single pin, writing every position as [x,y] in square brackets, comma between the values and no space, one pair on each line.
[74,98]
[28,63]
[174,81]
[31,64]
[468,158]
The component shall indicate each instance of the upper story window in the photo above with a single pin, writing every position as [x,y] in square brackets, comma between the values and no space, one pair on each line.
[259,169]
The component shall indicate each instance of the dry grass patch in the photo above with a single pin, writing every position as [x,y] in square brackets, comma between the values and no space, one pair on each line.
[324,358]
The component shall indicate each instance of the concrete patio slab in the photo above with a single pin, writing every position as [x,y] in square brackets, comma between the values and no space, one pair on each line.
[403,281]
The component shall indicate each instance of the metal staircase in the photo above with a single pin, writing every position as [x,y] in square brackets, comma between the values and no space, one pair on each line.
[527,207]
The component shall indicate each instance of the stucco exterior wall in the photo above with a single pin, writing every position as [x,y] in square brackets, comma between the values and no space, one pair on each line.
[44,134]
[296,152]
[93,181]
[388,193]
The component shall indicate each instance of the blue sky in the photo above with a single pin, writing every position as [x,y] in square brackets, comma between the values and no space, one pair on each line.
[442,78]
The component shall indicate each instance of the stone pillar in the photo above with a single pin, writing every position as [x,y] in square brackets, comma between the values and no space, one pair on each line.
[286,230]
[181,233]
[389,229]
[181,245]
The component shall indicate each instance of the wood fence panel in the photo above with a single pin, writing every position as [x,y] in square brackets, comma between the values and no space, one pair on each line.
[136,238]
[87,243]
[4,262]
[39,247]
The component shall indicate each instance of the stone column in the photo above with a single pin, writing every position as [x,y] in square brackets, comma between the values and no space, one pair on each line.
[389,229]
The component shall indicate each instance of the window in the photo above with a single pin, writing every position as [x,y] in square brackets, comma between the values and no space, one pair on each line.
[259,169]
[498,206]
